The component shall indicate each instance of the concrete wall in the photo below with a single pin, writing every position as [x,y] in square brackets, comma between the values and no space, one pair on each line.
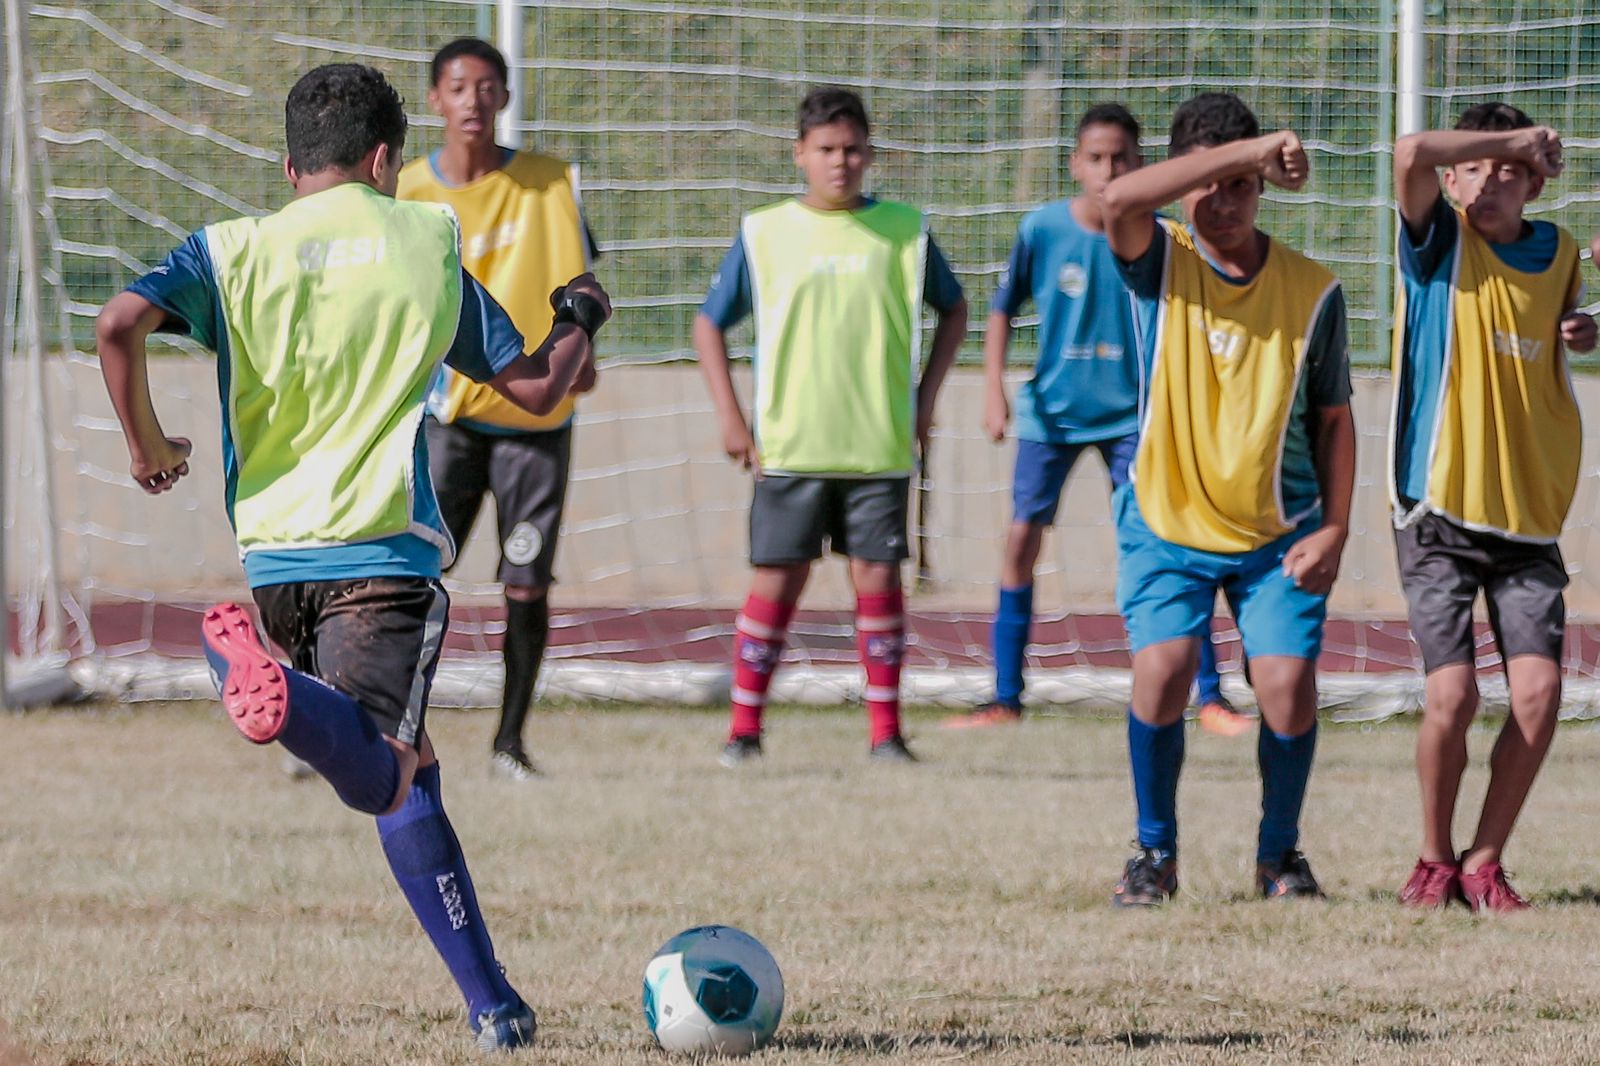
[657,516]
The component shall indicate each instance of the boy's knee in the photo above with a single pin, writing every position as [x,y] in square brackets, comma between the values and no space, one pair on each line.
[1539,694]
[1452,705]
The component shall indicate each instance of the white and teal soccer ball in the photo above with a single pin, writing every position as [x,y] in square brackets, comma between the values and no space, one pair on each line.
[713,990]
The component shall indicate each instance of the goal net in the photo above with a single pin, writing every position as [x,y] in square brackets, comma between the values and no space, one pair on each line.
[150,118]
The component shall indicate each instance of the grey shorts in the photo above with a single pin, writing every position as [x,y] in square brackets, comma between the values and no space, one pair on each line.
[1442,568]
[526,473]
[375,639]
[791,518]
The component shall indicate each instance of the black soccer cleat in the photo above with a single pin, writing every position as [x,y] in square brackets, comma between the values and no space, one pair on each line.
[1288,878]
[892,750]
[1148,880]
[741,751]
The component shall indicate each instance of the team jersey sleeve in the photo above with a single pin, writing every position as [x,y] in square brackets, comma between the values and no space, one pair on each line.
[486,340]
[184,285]
[1142,276]
[728,302]
[1016,283]
[1420,260]
[1328,355]
[940,289]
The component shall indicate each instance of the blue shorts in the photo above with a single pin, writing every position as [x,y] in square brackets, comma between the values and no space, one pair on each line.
[1042,470]
[1166,591]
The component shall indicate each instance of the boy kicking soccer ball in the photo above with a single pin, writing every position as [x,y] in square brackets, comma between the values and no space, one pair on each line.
[1484,449]
[1243,473]
[836,281]
[1084,393]
[330,318]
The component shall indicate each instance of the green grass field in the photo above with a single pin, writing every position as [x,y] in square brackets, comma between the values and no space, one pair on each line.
[171,898]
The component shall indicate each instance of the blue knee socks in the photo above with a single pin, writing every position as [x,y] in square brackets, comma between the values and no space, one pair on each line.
[1207,682]
[332,734]
[1012,620]
[1285,769]
[1156,755]
[425,856]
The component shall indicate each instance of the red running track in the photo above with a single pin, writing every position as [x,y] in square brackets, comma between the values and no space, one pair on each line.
[936,639]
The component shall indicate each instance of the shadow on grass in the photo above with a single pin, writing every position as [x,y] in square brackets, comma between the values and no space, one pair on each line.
[984,1040]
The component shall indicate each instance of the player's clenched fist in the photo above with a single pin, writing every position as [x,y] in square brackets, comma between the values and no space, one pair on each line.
[1540,148]
[158,467]
[1283,160]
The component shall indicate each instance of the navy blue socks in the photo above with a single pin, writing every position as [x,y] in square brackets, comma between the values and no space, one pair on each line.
[332,734]
[1207,682]
[1012,620]
[1285,769]
[1156,756]
[425,856]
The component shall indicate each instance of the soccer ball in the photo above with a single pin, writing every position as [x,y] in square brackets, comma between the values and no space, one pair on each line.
[713,990]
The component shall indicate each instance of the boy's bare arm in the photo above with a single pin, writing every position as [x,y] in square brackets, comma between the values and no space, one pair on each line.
[1313,561]
[125,323]
[1418,157]
[538,382]
[947,338]
[1129,203]
[996,407]
[711,349]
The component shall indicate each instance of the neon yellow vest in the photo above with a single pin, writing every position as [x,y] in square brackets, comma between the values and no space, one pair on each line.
[521,236]
[838,298]
[1227,365]
[1507,435]
[338,310]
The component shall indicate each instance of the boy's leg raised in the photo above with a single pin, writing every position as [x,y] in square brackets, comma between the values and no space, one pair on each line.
[382,638]
[315,722]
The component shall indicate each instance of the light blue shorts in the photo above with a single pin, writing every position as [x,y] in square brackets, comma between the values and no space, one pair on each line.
[1166,591]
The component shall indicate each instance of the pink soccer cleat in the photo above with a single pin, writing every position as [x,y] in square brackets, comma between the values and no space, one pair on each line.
[254,691]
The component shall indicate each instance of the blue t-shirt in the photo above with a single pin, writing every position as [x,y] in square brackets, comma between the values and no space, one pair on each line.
[732,295]
[1324,380]
[1427,274]
[184,286]
[1085,385]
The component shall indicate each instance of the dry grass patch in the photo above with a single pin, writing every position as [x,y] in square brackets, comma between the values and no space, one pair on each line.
[170,898]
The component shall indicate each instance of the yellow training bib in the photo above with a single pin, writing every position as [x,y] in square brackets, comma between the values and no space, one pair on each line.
[1506,440]
[1227,364]
[522,236]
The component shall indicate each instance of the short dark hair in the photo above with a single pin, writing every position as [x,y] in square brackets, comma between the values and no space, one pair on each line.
[830,104]
[1493,116]
[1110,115]
[338,113]
[1210,119]
[475,47]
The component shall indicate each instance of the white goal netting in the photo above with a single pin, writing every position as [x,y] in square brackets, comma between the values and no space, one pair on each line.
[150,118]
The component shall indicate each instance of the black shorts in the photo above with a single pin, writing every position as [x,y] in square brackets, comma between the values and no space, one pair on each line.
[526,474]
[1442,567]
[375,639]
[863,518]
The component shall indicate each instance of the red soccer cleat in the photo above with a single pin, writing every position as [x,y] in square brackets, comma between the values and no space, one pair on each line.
[1432,885]
[1488,890]
[990,714]
[1219,717]
[254,691]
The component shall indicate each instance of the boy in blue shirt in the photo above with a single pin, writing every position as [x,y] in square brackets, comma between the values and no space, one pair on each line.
[1084,393]
[1242,478]
[330,318]
[1484,462]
